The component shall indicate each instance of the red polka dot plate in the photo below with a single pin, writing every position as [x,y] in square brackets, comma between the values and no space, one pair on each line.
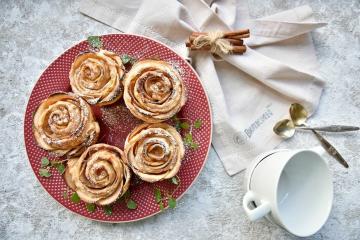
[116,122]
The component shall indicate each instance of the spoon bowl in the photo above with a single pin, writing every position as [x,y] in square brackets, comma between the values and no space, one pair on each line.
[298,114]
[285,128]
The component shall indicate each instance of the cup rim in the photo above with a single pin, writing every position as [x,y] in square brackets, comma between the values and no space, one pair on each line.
[250,170]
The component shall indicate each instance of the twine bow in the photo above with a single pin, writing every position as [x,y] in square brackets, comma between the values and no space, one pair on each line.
[219,42]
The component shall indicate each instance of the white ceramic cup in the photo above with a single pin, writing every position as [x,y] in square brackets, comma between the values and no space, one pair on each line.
[293,188]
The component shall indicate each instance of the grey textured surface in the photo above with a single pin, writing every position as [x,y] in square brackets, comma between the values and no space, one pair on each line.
[33,33]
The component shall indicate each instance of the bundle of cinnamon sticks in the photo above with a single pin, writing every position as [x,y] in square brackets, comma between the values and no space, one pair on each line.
[235,38]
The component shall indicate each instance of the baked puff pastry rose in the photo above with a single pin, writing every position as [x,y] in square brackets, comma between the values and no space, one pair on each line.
[100,175]
[64,124]
[154,91]
[154,151]
[96,76]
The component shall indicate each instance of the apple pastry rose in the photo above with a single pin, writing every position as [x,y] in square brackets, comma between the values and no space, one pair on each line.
[64,124]
[154,151]
[100,175]
[96,76]
[154,91]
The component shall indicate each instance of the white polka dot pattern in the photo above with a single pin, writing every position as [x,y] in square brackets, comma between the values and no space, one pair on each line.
[116,122]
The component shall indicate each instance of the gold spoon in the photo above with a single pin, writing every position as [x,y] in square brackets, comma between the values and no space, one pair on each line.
[330,149]
[330,128]
[299,116]
[286,128]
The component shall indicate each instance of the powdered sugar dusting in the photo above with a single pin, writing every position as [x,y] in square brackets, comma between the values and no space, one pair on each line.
[177,66]
[116,115]
[116,122]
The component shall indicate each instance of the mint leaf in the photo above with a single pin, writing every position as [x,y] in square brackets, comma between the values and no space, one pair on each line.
[161,206]
[43,172]
[127,59]
[90,207]
[188,138]
[131,204]
[172,202]
[60,167]
[174,180]
[94,41]
[197,124]
[75,198]
[184,125]
[108,210]
[45,162]
[194,145]
[157,194]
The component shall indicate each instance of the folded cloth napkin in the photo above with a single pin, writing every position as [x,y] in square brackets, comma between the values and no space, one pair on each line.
[248,93]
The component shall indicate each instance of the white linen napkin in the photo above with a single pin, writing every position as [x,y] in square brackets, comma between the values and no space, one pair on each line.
[248,93]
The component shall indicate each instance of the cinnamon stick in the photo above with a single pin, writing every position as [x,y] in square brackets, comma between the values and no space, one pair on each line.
[236,33]
[236,42]
[235,38]
[236,49]
[239,37]
[207,48]
[226,34]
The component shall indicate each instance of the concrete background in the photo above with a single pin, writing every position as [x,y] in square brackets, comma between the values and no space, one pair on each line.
[34,32]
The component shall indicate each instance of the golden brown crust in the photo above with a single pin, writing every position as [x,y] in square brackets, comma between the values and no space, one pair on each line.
[64,124]
[154,91]
[154,151]
[96,76]
[101,174]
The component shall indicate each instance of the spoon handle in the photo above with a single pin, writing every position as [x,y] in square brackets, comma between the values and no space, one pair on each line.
[332,128]
[330,149]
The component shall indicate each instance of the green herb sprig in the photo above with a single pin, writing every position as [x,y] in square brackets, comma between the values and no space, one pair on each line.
[129,202]
[95,42]
[162,197]
[127,59]
[46,165]
[75,198]
[108,210]
[188,126]
[91,207]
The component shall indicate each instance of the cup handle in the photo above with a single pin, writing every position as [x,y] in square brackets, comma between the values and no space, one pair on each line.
[258,212]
